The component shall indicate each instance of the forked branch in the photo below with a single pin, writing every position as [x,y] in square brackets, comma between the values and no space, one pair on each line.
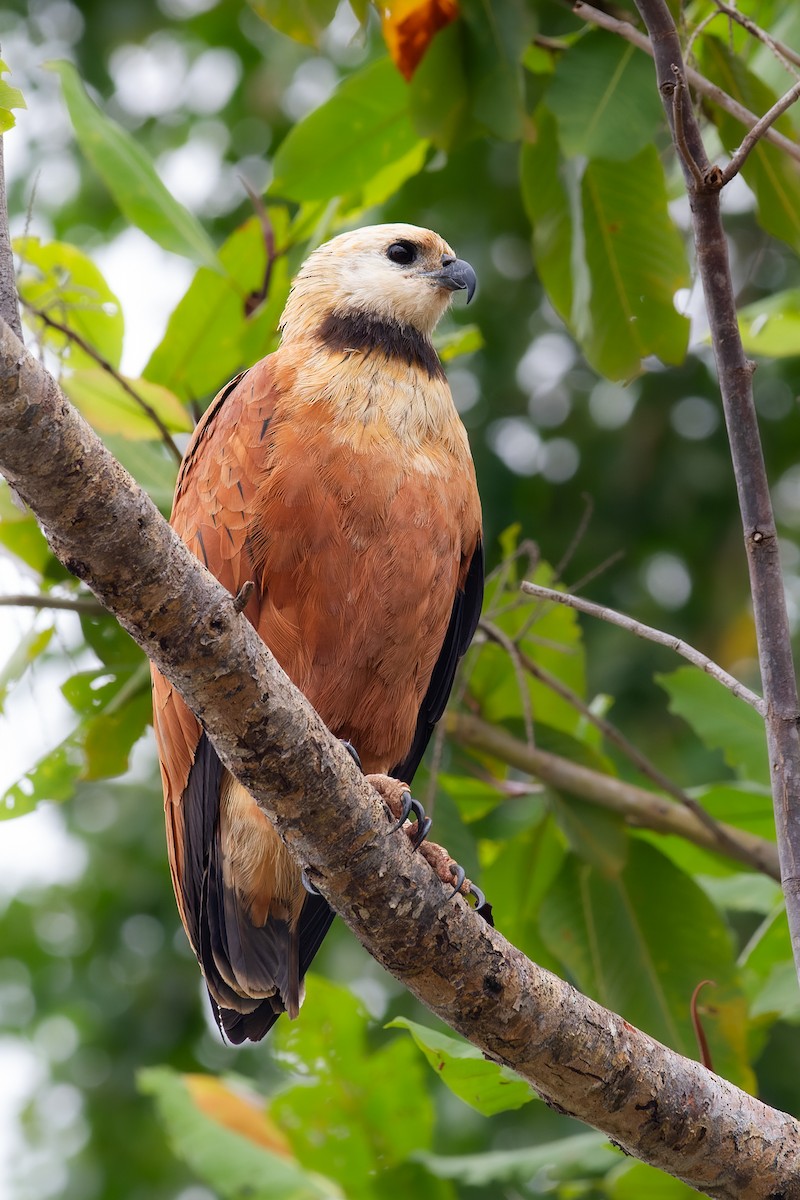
[760,535]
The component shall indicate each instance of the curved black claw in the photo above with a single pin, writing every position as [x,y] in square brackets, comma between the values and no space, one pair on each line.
[405,811]
[423,827]
[482,907]
[459,874]
[308,885]
[351,750]
[411,807]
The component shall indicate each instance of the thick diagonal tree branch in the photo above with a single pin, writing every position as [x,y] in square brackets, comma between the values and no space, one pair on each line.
[735,374]
[661,1107]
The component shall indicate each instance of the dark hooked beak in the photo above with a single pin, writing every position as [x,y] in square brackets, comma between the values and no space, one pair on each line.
[456,275]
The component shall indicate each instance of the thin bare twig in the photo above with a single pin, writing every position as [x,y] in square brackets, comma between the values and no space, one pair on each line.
[704,86]
[735,372]
[697,1024]
[102,362]
[256,298]
[614,735]
[678,102]
[78,604]
[785,55]
[755,135]
[495,634]
[651,635]
[639,807]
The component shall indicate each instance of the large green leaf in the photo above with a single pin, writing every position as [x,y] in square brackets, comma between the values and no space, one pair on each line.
[342,1113]
[517,878]
[720,720]
[303,20]
[130,176]
[437,92]
[496,36]
[212,334]
[62,282]
[548,206]
[771,326]
[604,99]
[635,1181]
[485,1086]
[151,465]
[640,941]
[230,1149]
[578,1157]
[636,262]
[773,176]
[361,130]
[109,407]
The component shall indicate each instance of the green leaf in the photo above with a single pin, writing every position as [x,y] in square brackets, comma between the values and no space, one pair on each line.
[595,835]
[341,1074]
[518,877]
[52,778]
[496,36]
[109,407]
[32,644]
[771,326]
[636,1180]
[771,174]
[239,1167]
[438,98]
[10,97]
[720,720]
[61,281]
[548,207]
[150,464]
[21,536]
[209,334]
[464,340]
[551,637]
[779,996]
[584,1154]
[604,99]
[640,941]
[362,129]
[303,20]
[636,262]
[483,1085]
[387,182]
[130,176]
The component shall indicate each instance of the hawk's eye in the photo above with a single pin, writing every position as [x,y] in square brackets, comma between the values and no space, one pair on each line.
[402,253]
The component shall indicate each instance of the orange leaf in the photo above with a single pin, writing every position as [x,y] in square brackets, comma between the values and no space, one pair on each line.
[409,26]
[237,1113]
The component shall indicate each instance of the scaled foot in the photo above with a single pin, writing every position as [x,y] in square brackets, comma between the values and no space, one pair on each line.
[398,799]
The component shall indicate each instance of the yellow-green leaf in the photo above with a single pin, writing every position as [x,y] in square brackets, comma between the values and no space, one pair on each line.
[59,280]
[130,176]
[110,408]
[10,97]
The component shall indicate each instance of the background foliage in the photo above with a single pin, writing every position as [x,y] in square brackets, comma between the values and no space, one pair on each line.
[536,146]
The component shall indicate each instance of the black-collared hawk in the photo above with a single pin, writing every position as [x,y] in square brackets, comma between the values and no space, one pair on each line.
[336,476]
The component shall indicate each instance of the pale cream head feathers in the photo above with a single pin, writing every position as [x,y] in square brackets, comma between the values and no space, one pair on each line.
[363,271]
